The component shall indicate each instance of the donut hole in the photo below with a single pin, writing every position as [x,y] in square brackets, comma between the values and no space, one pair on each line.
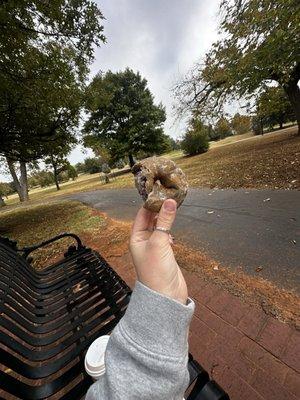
[141,181]
[165,181]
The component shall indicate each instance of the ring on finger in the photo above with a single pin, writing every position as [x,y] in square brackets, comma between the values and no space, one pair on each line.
[162,229]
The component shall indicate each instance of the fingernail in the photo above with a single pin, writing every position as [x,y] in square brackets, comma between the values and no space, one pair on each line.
[170,205]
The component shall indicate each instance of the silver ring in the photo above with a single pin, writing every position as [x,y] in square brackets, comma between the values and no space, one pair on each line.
[160,228]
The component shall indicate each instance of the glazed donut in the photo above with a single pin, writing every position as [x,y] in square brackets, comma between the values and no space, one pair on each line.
[158,179]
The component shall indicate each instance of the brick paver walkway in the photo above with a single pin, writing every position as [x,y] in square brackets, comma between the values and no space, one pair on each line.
[251,355]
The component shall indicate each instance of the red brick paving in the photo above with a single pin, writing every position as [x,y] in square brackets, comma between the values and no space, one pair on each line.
[252,356]
[292,382]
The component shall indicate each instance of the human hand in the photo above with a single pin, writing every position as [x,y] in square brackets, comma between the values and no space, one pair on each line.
[152,253]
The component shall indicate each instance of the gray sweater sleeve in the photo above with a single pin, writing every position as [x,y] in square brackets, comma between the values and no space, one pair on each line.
[147,354]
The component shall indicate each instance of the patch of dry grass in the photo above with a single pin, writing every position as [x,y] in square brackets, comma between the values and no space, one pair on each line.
[36,223]
[83,183]
[269,161]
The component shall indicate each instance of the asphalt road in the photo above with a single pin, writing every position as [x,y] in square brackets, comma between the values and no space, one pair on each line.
[240,228]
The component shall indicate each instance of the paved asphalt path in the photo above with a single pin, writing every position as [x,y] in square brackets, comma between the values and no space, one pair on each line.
[240,228]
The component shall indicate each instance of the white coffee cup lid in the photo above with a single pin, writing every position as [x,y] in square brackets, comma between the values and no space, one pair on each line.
[94,358]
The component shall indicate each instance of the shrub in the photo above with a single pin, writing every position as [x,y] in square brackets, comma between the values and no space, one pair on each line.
[195,142]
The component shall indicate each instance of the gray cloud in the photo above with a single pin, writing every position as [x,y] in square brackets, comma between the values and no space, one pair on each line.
[160,38]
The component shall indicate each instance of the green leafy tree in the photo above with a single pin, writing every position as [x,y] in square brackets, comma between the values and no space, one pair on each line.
[195,141]
[5,190]
[91,165]
[222,128]
[72,172]
[257,125]
[45,49]
[274,108]
[41,178]
[240,124]
[56,154]
[46,178]
[167,144]
[25,24]
[259,43]
[92,142]
[35,113]
[122,115]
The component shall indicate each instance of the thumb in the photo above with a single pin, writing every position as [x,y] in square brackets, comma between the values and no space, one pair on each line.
[166,215]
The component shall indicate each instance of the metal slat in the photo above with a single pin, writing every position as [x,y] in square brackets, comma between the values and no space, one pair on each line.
[49,319]
[47,304]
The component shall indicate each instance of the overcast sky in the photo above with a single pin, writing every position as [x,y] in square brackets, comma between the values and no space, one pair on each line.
[159,38]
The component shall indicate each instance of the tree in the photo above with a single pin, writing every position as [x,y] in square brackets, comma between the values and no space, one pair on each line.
[122,115]
[222,128]
[72,173]
[241,124]
[77,24]
[92,142]
[36,112]
[56,154]
[45,49]
[257,125]
[259,43]
[273,107]
[167,144]
[5,190]
[91,165]
[41,178]
[195,141]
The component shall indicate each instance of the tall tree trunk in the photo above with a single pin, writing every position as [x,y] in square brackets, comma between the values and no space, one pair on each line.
[2,202]
[55,172]
[131,160]
[293,92]
[20,185]
[24,180]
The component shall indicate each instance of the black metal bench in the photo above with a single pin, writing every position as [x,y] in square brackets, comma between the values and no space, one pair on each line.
[49,318]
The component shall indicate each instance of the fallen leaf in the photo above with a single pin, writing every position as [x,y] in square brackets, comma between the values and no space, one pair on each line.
[258,269]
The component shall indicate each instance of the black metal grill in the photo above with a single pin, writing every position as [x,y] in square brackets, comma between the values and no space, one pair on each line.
[49,318]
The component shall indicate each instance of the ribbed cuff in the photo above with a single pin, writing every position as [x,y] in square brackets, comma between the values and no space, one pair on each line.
[157,323]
